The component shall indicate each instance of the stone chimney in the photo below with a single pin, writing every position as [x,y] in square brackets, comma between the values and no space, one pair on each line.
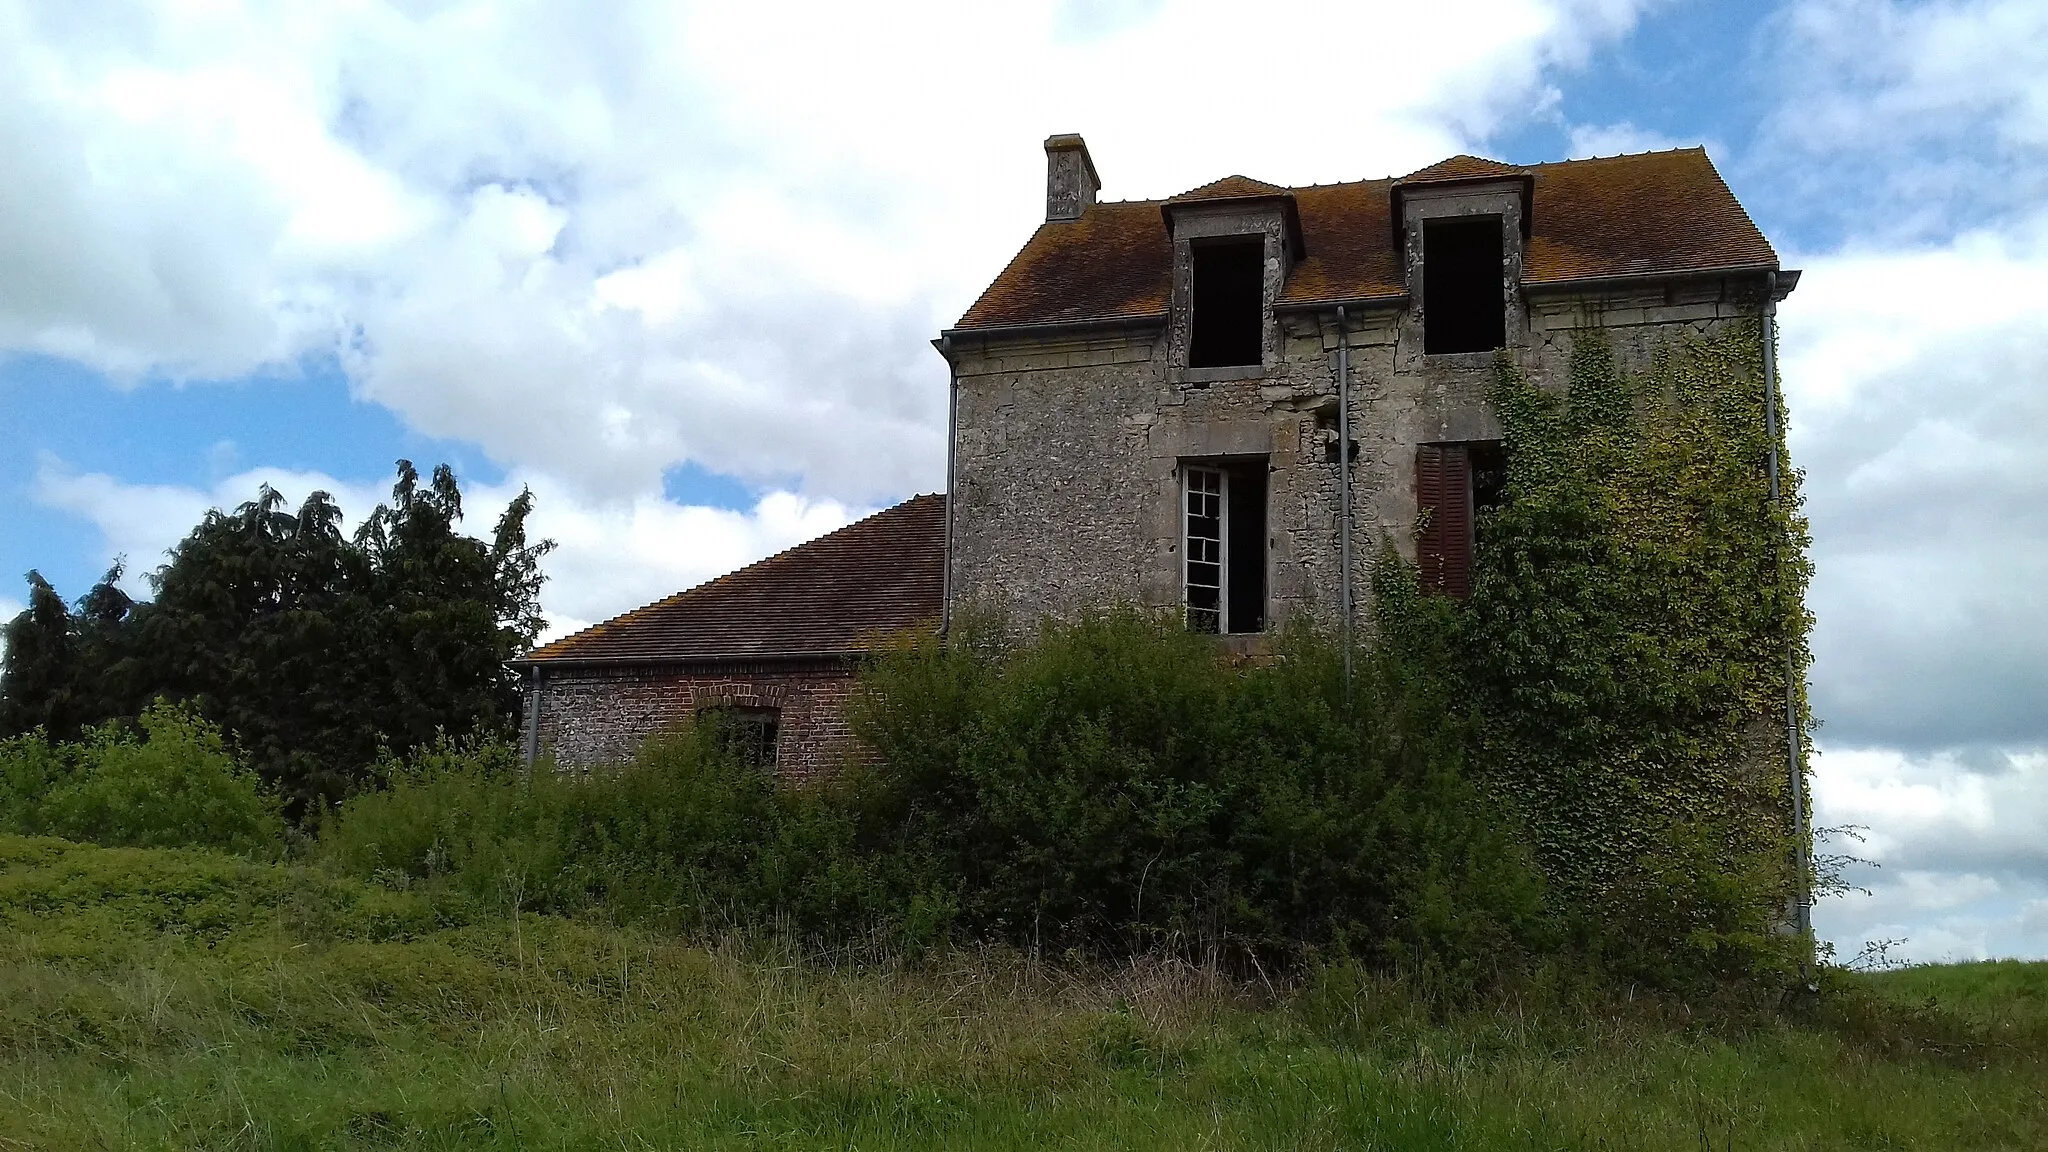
[1070,179]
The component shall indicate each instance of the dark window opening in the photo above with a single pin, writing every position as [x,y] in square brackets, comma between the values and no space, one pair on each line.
[1464,307]
[1223,543]
[1489,483]
[749,733]
[1229,302]
[1455,485]
[1247,552]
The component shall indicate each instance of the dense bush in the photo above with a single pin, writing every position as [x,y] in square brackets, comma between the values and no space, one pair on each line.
[1116,786]
[165,782]
[1112,787]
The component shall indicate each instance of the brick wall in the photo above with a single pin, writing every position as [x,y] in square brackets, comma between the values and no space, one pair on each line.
[591,716]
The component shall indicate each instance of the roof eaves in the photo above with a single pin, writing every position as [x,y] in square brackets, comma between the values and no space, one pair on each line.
[1564,284]
[666,658]
[1118,320]
[1376,300]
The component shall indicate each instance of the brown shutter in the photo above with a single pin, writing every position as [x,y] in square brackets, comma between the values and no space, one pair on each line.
[1443,491]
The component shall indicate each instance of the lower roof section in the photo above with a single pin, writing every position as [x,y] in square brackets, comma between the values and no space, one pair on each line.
[844,592]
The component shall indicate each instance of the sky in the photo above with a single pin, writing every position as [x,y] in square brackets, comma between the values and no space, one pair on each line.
[675,266]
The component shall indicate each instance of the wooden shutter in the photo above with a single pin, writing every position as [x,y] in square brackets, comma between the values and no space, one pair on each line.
[1443,493]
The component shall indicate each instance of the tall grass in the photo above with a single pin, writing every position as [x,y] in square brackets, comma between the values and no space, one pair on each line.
[188,999]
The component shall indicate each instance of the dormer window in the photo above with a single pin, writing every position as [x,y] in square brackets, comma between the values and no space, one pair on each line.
[1228,312]
[1464,302]
[1234,241]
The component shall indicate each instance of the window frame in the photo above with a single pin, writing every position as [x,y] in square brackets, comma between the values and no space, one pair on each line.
[1252,244]
[1447,567]
[740,728]
[1224,475]
[1431,300]
[1221,541]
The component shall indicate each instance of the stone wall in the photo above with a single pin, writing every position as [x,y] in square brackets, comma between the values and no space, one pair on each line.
[590,716]
[1067,491]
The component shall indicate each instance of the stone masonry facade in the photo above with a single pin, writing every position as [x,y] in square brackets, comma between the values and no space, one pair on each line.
[1070,439]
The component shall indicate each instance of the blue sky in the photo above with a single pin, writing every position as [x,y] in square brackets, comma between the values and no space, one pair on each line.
[675,268]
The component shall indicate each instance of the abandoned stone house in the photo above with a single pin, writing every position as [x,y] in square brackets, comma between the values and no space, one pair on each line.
[1221,403]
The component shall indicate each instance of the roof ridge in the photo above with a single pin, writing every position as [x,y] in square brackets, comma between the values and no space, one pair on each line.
[1464,166]
[1569,160]
[726,579]
[1235,186]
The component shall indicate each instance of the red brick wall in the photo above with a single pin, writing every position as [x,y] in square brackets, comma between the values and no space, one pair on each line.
[598,715]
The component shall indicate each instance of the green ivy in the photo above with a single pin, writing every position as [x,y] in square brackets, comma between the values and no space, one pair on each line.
[1624,650]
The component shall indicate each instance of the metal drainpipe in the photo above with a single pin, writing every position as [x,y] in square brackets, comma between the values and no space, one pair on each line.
[1803,908]
[1344,478]
[952,433]
[533,723]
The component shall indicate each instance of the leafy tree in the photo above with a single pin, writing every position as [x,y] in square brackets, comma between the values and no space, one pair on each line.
[314,650]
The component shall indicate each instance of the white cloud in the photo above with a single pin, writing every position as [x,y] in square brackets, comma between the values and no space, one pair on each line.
[1956,844]
[1624,137]
[610,556]
[603,244]
[1909,121]
[1918,384]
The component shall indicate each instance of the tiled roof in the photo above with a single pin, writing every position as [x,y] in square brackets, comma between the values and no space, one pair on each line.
[1229,188]
[1463,167]
[838,593]
[1653,213]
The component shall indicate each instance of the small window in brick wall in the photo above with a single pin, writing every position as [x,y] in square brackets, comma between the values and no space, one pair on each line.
[1228,300]
[746,731]
[1464,303]
[1454,486]
[1223,542]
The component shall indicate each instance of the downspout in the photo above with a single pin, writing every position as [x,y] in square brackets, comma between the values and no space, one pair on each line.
[533,723]
[1344,481]
[1803,896]
[952,434]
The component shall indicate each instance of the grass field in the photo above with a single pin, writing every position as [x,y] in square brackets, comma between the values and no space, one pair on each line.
[185,999]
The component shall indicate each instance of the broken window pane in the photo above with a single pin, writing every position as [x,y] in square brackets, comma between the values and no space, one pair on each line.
[1464,303]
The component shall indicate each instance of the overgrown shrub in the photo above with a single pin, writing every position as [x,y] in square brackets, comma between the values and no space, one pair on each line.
[170,783]
[1116,786]
[1624,653]
[686,834]
[1113,787]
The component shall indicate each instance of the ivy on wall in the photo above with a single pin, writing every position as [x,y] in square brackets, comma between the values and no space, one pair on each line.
[1624,649]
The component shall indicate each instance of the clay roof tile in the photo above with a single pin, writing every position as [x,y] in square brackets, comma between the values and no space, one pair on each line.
[1463,167]
[840,593]
[1229,188]
[1656,213]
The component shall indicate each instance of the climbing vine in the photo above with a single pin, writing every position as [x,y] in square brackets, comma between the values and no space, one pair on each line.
[1624,649]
